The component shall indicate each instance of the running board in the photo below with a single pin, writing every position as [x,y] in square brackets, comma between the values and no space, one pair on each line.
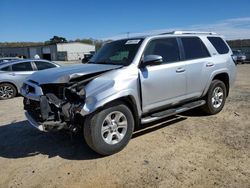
[172,111]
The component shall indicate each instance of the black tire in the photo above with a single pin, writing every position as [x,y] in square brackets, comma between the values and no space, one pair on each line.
[93,129]
[7,91]
[209,107]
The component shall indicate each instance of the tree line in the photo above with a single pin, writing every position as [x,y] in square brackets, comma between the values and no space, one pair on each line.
[53,40]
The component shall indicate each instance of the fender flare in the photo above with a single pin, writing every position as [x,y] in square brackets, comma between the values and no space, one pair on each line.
[92,104]
[212,76]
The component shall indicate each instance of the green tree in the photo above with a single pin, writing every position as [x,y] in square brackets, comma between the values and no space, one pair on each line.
[56,39]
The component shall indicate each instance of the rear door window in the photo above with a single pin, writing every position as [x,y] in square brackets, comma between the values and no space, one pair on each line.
[219,45]
[41,65]
[24,66]
[194,48]
[167,48]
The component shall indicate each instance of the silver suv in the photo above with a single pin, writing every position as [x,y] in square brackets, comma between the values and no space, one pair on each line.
[130,83]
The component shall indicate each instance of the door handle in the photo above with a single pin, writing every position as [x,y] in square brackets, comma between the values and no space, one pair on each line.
[179,70]
[209,64]
[12,74]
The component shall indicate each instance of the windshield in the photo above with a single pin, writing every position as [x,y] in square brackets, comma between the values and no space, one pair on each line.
[121,52]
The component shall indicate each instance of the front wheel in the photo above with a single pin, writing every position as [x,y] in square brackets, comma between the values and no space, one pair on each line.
[215,98]
[109,131]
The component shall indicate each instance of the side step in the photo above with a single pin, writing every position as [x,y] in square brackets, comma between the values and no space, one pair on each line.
[172,111]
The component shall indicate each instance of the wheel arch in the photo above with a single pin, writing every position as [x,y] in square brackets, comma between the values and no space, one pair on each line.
[224,77]
[129,101]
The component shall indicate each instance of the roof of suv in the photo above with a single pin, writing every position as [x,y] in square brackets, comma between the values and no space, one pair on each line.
[175,33]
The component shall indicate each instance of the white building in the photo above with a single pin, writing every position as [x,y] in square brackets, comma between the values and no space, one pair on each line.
[54,52]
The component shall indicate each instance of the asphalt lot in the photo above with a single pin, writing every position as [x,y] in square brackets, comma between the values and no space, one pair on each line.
[188,150]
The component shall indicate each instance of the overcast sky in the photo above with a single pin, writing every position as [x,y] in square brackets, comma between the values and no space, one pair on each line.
[39,20]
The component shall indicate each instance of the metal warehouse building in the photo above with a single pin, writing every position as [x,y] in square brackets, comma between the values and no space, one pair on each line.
[54,52]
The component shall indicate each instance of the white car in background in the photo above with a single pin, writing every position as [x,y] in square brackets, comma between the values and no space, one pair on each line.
[241,57]
[13,74]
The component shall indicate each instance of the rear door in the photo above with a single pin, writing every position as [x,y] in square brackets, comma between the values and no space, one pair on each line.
[163,84]
[198,65]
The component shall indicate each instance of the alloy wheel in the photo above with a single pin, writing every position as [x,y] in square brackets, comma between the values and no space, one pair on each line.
[114,127]
[6,92]
[217,97]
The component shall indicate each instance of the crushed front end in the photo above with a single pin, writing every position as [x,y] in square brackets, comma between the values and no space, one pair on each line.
[53,106]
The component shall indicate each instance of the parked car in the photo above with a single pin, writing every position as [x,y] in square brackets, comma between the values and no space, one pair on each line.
[13,73]
[241,57]
[7,59]
[129,83]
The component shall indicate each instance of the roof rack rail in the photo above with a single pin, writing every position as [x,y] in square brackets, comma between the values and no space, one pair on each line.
[189,32]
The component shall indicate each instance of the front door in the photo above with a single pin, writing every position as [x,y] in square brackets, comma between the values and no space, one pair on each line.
[163,84]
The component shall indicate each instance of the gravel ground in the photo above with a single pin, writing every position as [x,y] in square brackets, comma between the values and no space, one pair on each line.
[189,150]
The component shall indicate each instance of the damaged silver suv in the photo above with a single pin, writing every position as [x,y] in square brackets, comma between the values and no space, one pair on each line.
[129,83]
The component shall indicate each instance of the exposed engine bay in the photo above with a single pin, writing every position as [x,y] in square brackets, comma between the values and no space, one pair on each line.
[60,104]
[54,112]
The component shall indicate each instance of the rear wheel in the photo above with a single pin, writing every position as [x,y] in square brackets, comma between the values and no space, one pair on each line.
[7,91]
[215,98]
[109,131]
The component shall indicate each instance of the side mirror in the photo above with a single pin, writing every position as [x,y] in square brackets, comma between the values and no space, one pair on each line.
[151,60]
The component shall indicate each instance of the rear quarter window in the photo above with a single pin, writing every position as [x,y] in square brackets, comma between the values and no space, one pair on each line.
[219,45]
[41,65]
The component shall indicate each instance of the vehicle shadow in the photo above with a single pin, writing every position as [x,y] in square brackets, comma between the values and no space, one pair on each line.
[196,112]
[151,127]
[19,140]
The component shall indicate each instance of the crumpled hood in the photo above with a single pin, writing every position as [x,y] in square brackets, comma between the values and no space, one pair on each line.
[66,74]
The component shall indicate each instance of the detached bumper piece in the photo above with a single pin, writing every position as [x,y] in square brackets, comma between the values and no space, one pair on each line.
[43,115]
[33,122]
